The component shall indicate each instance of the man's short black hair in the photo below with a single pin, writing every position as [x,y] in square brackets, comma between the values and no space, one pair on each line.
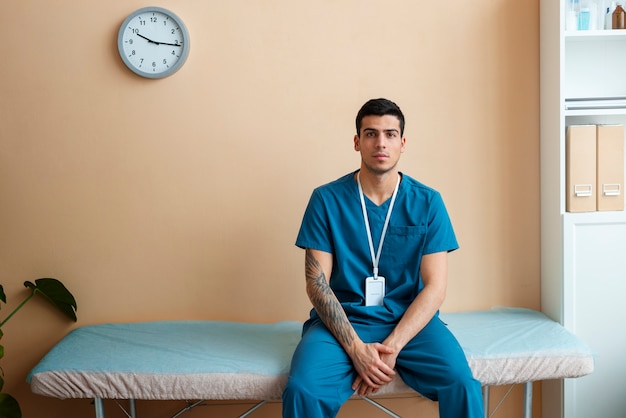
[379,107]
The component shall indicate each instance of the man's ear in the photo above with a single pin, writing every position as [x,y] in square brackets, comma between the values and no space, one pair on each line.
[356,143]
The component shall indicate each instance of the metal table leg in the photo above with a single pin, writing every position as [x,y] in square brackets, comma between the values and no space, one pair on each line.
[486,401]
[99,406]
[133,410]
[528,399]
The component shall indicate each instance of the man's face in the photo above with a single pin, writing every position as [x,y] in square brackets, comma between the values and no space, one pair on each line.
[380,143]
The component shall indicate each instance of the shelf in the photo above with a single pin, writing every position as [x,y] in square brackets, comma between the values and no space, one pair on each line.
[596,218]
[595,34]
[596,112]
[583,268]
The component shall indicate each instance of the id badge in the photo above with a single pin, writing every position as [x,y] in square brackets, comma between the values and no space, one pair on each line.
[374,291]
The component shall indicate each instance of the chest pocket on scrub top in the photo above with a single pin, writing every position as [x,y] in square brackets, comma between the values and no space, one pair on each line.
[402,245]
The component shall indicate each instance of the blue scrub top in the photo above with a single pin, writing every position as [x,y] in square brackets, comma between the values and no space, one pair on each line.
[419,224]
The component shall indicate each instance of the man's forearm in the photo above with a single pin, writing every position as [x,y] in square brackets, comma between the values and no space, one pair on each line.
[326,304]
[428,301]
[419,313]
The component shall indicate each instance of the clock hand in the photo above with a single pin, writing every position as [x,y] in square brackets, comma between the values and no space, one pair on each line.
[155,42]
[165,43]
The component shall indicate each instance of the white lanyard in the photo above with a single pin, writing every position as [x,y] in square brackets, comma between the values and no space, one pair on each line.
[376,258]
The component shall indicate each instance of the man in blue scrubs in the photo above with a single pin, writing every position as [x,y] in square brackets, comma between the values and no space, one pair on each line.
[376,244]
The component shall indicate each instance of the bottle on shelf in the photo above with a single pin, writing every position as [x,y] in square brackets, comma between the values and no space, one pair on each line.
[588,15]
[618,17]
[608,19]
[571,15]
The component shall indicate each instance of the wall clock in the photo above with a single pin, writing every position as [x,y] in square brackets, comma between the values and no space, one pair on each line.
[153,42]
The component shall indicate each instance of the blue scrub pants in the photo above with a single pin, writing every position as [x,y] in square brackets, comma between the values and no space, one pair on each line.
[433,363]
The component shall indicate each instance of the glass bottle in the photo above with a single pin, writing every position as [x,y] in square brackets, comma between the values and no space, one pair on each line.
[618,17]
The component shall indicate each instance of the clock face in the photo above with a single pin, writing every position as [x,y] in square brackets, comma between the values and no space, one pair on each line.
[153,42]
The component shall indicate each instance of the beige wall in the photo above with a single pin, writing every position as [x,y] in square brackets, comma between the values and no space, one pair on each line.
[181,198]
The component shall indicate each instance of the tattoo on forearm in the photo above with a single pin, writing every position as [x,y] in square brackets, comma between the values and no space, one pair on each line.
[325,302]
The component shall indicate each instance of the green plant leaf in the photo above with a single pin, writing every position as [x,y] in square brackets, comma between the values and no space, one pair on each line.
[57,294]
[1,382]
[9,408]
[3,297]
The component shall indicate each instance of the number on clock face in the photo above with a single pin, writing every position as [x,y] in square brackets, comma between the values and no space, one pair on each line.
[153,42]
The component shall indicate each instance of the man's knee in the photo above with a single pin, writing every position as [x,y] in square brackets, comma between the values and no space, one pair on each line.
[301,398]
[297,387]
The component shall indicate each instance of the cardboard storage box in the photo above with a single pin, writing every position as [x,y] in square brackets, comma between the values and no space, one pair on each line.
[610,167]
[580,172]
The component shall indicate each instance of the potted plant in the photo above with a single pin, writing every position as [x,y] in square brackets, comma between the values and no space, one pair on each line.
[56,293]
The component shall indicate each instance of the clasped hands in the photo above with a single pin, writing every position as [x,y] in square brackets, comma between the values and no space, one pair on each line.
[374,364]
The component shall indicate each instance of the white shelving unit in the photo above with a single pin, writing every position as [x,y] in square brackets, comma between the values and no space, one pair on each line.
[583,266]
